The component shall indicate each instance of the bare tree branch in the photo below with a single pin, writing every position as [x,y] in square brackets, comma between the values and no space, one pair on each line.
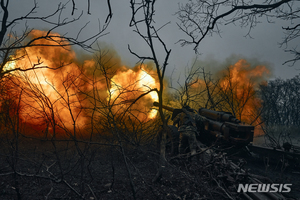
[199,18]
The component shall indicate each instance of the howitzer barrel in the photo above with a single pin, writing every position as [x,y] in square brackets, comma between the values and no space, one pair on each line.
[219,124]
[235,133]
[216,126]
[163,106]
[219,116]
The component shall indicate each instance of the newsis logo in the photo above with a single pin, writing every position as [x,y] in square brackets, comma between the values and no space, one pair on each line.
[261,187]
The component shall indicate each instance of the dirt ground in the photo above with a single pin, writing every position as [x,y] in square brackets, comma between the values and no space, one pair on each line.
[68,170]
[275,172]
[277,169]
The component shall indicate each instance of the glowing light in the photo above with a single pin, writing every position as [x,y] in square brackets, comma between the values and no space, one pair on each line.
[9,66]
[62,94]
[127,85]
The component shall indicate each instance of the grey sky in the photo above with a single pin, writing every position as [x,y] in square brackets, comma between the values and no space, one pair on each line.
[264,46]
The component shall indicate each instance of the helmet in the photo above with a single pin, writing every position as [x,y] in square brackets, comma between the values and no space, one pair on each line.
[188,108]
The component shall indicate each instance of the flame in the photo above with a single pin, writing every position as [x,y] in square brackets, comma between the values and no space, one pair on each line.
[240,81]
[9,66]
[233,89]
[43,86]
[128,85]
[59,89]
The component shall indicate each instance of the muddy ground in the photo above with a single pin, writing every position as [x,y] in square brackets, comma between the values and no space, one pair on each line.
[36,169]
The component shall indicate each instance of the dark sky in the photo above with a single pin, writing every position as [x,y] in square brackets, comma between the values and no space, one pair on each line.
[263,46]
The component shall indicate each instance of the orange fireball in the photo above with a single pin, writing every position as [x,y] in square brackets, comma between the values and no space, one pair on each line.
[60,91]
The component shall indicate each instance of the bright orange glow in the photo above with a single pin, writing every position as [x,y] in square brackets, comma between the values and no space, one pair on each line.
[61,91]
[234,90]
[128,85]
[240,83]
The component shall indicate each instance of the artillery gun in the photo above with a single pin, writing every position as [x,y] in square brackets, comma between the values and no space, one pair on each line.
[218,124]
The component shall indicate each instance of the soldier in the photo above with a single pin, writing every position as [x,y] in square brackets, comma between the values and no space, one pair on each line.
[187,126]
